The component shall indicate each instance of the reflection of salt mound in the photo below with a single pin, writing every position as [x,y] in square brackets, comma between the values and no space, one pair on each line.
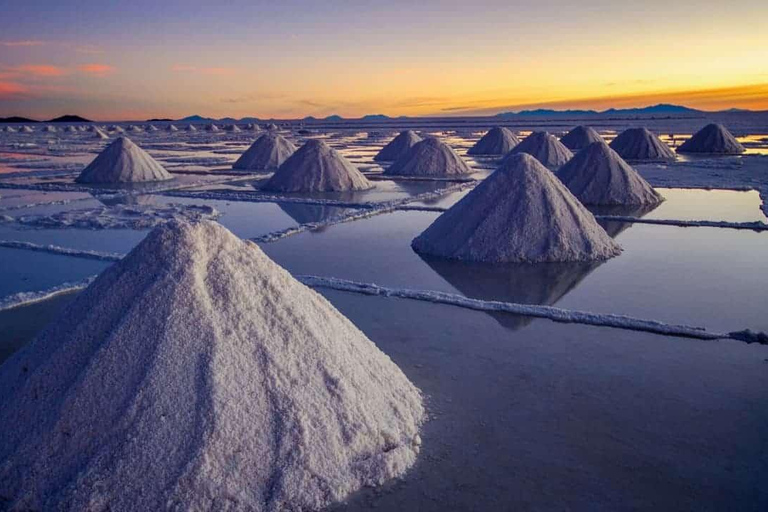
[98,134]
[268,152]
[615,227]
[430,157]
[171,128]
[498,141]
[49,129]
[520,283]
[316,167]
[580,137]
[520,213]
[398,146]
[641,144]
[191,128]
[598,175]
[545,148]
[211,128]
[310,213]
[196,373]
[123,162]
[232,128]
[712,139]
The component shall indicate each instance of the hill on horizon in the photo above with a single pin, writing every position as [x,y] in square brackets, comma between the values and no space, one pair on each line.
[661,108]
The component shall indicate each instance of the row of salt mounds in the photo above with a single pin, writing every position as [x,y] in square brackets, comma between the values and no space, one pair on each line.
[597,175]
[498,141]
[545,148]
[269,151]
[641,144]
[197,374]
[430,157]
[123,162]
[520,213]
[580,137]
[712,139]
[398,146]
[317,167]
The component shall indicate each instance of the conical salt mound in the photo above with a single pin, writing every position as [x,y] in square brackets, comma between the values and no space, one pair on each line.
[116,129]
[123,162]
[9,129]
[152,128]
[197,374]
[100,134]
[580,137]
[641,144]
[498,141]
[398,146]
[545,148]
[211,128]
[134,129]
[597,175]
[232,128]
[271,126]
[712,139]
[268,152]
[171,128]
[520,213]
[191,128]
[430,157]
[50,129]
[317,167]
[70,129]
[27,129]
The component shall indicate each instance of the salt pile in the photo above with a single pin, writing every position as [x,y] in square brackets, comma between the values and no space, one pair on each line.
[70,129]
[398,146]
[151,128]
[197,374]
[49,129]
[191,128]
[316,167]
[430,157]
[123,162]
[134,129]
[641,144]
[27,129]
[116,129]
[232,128]
[498,141]
[9,129]
[100,134]
[269,151]
[597,175]
[520,213]
[545,148]
[211,128]
[712,139]
[171,128]
[271,126]
[580,137]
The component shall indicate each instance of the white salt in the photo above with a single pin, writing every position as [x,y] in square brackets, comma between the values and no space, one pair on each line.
[123,162]
[430,157]
[641,144]
[398,146]
[498,141]
[269,151]
[712,139]
[545,148]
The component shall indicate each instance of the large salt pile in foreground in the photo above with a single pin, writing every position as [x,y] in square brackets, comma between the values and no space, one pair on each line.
[317,167]
[712,139]
[197,374]
[641,144]
[498,141]
[520,213]
[398,146]
[597,175]
[430,157]
[268,152]
[545,148]
[580,137]
[123,162]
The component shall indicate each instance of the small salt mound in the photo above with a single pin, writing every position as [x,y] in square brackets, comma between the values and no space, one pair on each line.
[498,141]
[134,129]
[152,128]
[398,146]
[211,128]
[116,129]
[580,137]
[252,127]
[27,129]
[270,126]
[123,162]
[197,374]
[70,129]
[520,213]
[171,128]
[545,148]
[232,128]
[712,139]
[317,167]
[82,128]
[269,151]
[430,157]
[50,129]
[9,129]
[100,134]
[597,175]
[641,144]
[191,128]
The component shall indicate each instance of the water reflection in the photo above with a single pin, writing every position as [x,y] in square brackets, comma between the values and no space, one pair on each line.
[532,283]
[615,228]
[306,213]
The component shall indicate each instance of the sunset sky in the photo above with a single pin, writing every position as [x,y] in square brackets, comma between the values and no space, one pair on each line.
[112,60]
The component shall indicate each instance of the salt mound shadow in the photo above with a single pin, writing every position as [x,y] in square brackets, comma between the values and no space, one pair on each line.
[196,373]
[520,213]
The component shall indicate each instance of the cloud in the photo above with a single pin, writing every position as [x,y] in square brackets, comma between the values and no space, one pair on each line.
[39,70]
[99,70]
[22,43]
[218,71]
[11,90]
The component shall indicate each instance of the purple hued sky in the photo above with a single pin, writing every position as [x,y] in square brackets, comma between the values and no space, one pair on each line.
[114,60]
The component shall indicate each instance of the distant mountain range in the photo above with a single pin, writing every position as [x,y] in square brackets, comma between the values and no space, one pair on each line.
[62,119]
[660,109]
